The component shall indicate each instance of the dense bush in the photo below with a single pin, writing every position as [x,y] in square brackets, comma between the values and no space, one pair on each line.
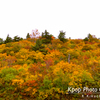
[46,37]
[38,69]
[86,47]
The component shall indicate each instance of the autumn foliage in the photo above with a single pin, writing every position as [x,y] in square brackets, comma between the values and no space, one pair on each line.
[40,70]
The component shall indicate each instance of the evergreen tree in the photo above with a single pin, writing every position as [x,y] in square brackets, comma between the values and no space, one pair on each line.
[16,38]
[39,46]
[1,41]
[28,36]
[91,38]
[46,37]
[62,36]
[8,39]
[86,39]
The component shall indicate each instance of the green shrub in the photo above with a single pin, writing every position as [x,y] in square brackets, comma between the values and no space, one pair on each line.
[87,47]
[86,39]
[16,48]
[46,37]
[8,74]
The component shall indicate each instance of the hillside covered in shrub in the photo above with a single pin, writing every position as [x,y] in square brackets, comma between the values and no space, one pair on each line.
[44,68]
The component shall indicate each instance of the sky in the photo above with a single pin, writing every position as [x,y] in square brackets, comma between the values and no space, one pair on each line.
[77,18]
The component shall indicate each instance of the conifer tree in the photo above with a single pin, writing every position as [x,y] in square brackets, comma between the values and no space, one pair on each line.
[28,36]
[46,37]
[62,36]
[1,41]
[8,39]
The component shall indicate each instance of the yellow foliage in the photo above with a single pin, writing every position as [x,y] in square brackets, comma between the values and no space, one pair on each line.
[2,46]
[17,66]
[75,73]
[3,55]
[34,91]
[40,75]
[22,54]
[18,81]
[38,56]
[65,66]
[55,54]
[57,96]
[12,53]
[56,70]
[30,77]
[25,43]
[70,83]
[28,89]
[59,45]
[25,66]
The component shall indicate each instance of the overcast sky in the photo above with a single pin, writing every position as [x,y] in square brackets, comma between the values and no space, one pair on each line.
[75,17]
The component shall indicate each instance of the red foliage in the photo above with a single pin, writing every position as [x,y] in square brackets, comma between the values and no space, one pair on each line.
[30,83]
[34,68]
[27,47]
[49,62]
[53,37]
[85,57]
[83,50]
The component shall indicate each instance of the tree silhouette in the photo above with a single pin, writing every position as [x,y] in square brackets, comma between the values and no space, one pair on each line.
[1,41]
[16,38]
[62,36]
[46,37]
[8,39]
[28,36]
